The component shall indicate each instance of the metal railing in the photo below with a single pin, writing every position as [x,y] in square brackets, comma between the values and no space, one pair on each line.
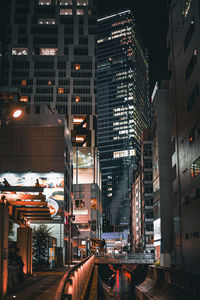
[74,283]
[140,258]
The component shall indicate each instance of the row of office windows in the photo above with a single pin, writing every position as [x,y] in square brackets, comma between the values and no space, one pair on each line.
[48,51]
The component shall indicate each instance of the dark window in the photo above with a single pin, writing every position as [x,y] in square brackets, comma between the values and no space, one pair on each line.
[62,74]
[38,98]
[64,82]
[80,51]
[22,40]
[69,30]
[44,90]
[45,41]
[81,82]
[20,65]
[61,65]
[83,40]
[37,109]
[62,98]
[81,91]
[81,109]
[61,109]
[69,40]
[44,65]
[44,74]
[79,203]
[43,30]
[20,20]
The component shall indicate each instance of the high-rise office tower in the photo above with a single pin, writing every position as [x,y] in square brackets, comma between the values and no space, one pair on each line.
[51,56]
[51,53]
[123,110]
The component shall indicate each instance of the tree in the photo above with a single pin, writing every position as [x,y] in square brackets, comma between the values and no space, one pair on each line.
[41,237]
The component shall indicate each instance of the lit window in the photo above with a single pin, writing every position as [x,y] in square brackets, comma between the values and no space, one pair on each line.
[66,11]
[195,168]
[45,21]
[80,12]
[44,2]
[60,90]
[48,51]
[24,99]
[77,66]
[80,139]
[65,2]
[77,98]
[49,82]
[20,51]
[82,2]
[78,120]
[94,204]
[124,153]
[23,82]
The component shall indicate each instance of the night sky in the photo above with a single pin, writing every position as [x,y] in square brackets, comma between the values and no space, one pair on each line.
[151,21]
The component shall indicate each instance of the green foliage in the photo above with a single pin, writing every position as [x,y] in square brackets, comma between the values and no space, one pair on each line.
[157,263]
[41,240]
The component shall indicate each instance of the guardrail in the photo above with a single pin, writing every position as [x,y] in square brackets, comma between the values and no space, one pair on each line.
[74,283]
[138,258]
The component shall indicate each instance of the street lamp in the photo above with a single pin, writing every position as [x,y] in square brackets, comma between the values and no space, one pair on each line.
[17,113]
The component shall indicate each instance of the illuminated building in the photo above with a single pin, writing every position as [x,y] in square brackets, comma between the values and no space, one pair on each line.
[123,112]
[35,148]
[142,200]
[52,58]
[184,64]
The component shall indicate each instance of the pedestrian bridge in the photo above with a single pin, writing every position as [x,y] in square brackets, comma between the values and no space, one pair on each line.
[136,258]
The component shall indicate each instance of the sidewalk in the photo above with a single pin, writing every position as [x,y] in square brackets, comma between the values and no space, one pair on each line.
[41,285]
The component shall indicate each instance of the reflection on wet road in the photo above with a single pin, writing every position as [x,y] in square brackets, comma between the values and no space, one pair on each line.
[123,287]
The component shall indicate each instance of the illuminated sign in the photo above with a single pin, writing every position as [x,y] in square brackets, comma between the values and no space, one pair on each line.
[53,207]
[157,232]
[53,184]
[80,212]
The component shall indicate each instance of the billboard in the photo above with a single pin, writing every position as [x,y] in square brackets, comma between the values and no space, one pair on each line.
[52,182]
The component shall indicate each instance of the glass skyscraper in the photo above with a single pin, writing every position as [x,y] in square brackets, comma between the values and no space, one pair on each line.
[123,111]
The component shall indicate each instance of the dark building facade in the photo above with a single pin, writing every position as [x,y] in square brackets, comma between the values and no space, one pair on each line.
[184,64]
[162,174]
[50,56]
[142,216]
[122,110]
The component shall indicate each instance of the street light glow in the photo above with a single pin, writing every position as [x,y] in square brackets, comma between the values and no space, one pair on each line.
[17,113]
